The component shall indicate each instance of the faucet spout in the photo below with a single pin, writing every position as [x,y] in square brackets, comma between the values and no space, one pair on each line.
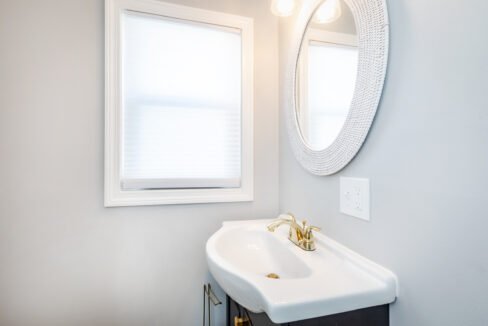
[288,219]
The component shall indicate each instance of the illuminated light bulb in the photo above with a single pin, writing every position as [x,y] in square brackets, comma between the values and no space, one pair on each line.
[282,8]
[328,12]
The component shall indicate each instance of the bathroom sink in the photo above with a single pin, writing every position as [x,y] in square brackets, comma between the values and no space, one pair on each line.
[265,272]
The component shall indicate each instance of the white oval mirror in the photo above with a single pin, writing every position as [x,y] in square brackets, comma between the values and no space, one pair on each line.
[335,80]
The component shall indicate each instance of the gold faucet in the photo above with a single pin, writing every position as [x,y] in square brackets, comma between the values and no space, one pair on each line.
[301,235]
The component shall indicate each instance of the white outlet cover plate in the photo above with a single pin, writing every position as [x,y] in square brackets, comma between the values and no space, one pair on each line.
[354,197]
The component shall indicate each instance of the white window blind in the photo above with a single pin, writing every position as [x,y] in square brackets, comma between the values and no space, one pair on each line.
[181,85]
[332,71]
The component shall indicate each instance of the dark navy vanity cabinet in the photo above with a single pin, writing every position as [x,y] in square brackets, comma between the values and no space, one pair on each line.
[373,316]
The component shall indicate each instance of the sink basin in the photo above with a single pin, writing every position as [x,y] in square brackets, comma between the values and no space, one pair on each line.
[256,253]
[265,272]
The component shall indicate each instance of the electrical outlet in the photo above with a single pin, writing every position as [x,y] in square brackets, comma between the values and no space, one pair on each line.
[354,197]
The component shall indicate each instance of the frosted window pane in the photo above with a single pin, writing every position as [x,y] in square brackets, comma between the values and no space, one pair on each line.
[181,103]
[332,74]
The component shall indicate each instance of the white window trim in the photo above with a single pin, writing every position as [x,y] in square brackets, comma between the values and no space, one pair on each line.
[114,195]
[319,35]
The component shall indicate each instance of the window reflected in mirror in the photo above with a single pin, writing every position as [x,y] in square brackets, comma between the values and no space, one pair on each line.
[326,77]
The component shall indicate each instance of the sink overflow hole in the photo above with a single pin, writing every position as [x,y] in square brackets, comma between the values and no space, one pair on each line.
[273,275]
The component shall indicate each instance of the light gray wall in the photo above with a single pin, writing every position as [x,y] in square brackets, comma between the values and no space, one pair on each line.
[427,159]
[64,258]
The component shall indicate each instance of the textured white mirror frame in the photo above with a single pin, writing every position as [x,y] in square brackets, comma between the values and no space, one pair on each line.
[371,19]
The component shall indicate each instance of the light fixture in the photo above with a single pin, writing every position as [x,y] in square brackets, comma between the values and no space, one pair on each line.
[328,12]
[282,8]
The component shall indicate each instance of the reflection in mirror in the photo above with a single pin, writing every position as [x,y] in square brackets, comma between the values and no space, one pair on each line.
[326,73]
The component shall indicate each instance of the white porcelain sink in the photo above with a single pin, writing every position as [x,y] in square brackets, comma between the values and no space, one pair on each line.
[329,280]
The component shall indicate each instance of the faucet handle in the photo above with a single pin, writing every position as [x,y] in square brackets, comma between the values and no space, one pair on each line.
[307,230]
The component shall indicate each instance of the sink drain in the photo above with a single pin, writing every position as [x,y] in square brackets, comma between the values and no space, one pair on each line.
[273,275]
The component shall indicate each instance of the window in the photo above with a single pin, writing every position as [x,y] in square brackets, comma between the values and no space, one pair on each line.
[178,105]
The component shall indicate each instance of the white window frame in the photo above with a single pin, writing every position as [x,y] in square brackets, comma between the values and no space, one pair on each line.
[114,195]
